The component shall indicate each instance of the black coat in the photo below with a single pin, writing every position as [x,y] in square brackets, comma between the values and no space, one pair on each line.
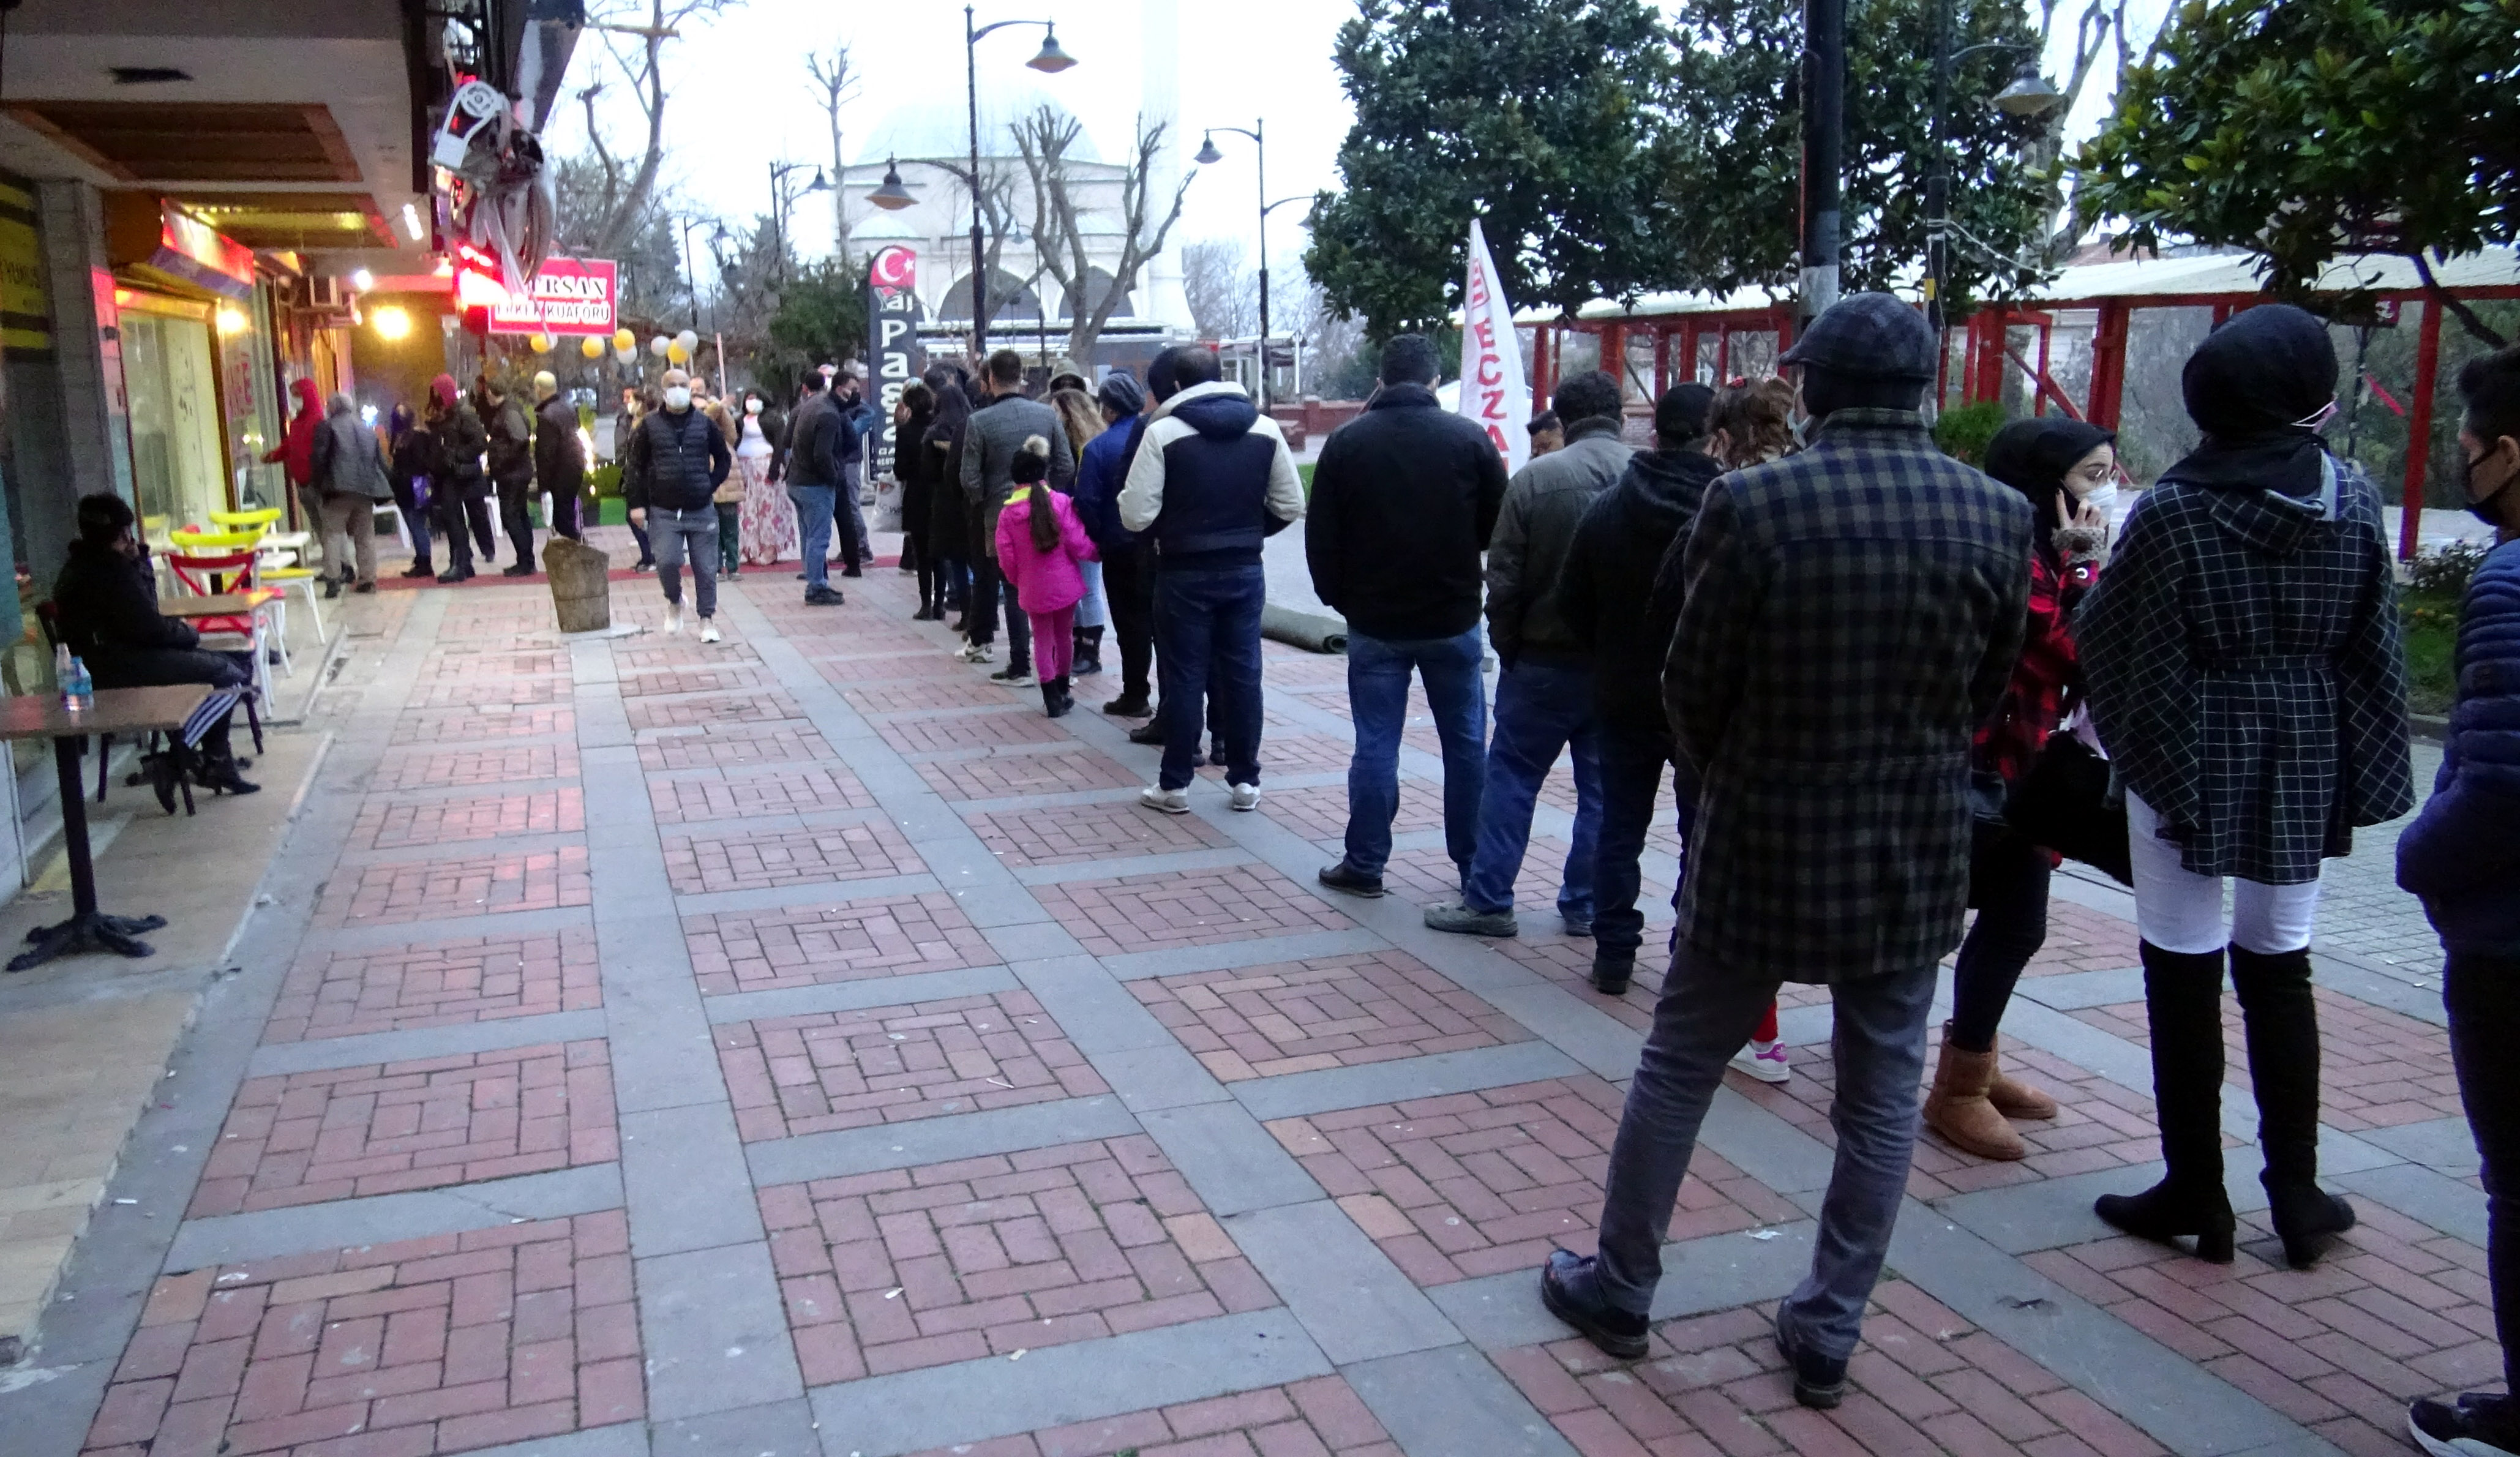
[512,443]
[560,460]
[915,466]
[1403,499]
[1609,590]
[676,461]
[107,606]
[949,516]
[460,440]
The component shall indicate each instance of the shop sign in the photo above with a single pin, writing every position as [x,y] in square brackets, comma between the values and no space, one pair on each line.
[892,277]
[25,306]
[569,296]
[200,255]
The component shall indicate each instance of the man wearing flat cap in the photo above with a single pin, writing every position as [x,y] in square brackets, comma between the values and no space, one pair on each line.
[1848,619]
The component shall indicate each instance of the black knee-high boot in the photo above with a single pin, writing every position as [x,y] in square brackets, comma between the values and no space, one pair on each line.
[2182,995]
[2282,1019]
[1089,652]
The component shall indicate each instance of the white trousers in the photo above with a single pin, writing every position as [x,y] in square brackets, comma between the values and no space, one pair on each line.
[2179,910]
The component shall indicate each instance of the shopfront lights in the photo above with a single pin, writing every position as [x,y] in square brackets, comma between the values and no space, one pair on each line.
[391,323]
[362,279]
[411,222]
[232,321]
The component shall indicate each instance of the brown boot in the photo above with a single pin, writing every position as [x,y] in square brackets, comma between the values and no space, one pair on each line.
[2016,1099]
[1957,1106]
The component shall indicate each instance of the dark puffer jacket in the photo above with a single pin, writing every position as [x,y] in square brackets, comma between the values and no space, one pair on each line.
[1403,500]
[2460,853]
[1607,592]
[676,461]
[560,460]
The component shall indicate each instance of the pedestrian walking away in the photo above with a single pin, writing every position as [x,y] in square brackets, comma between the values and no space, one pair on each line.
[2246,675]
[1083,421]
[459,491]
[295,455]
[348,475]
[1544,703]
[1849,617]
[1042,548]
[414,464]
[949,516]
[1405,498]
[2460,856]
[1000,423]
[559,455]
[1126,570]
[678,458]
[1211,480]
[810,463]
[2066,469]
[1608,598]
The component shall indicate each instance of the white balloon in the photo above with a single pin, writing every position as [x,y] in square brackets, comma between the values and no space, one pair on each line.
[690,340]
[656,345]
[625,354]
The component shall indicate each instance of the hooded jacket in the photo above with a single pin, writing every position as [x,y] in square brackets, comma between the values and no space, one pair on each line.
[346,459]
[460,443]
[108,608]
[2459,854]
[1100,473]
[1542,507]
[810,452]
[296,451]
[559,459]
[2242,658]
[1211,480]
[1616,600]
[1404,500]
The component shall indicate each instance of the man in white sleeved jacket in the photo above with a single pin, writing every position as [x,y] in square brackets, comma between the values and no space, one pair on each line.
[1212,478]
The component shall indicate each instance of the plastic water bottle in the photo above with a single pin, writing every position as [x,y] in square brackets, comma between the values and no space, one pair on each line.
[78,690]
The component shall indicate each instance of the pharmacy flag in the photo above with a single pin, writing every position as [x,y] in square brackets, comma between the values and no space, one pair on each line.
[1492,392]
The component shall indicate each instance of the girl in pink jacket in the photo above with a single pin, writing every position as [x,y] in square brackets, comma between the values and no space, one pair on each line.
[1040,543]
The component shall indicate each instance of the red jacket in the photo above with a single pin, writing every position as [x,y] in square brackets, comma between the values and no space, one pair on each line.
[2046,679]
[296,451]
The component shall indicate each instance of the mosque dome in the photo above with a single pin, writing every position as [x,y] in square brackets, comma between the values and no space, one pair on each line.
[940,127]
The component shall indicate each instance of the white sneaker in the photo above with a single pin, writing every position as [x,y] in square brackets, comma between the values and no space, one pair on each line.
[708,630]
[673,619]
[975,652]
[1170,800]
[1245,796]
[1765,1061]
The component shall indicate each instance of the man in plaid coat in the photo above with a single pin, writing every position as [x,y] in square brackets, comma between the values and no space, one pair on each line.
[1852,614]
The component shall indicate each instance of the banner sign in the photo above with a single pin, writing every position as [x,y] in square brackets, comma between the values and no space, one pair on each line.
[201,255]
[571,297]
[1493,393]
[893,315]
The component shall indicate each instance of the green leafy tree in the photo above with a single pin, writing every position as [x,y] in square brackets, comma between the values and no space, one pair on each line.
[821,318]
[2304,130]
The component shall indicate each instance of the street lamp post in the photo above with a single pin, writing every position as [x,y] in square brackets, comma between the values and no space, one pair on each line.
[1052,60]
[780,201]
[2028,95]
[1207,153]
[690,275]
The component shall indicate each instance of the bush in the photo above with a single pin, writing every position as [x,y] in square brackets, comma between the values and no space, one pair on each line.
[604,480]
[2445,572]
[1963,430]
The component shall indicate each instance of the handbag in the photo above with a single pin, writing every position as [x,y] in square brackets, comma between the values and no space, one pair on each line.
[2065,804]
[419,496]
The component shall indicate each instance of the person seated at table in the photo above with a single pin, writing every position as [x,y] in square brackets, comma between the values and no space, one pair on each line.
[106,602]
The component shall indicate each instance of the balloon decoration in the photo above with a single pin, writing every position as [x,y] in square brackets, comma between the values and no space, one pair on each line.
[690,340]
[623,338]
[658,345]
[540,343]
[591,346]
[625,353]
[676,354]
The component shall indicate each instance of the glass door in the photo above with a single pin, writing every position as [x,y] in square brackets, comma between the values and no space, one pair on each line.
[175,456]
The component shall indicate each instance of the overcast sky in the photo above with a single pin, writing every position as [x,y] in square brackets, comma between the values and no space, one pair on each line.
[740,98]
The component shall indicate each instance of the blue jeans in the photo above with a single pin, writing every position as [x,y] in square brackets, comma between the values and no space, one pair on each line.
[814,529]
[1541,708]
[1632,763]
[1378,695]
[1092,612]
[682,536]
[1207,635]
[1705,1013]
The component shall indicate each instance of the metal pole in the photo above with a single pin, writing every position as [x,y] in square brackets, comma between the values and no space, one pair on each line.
[979,286]
[1937,190]
[1260,152]
[1824,149]
[2419,432]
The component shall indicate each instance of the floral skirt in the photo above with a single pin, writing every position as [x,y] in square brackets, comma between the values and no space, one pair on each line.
[768,518]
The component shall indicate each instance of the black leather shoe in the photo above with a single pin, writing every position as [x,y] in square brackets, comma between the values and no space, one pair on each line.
[2308,1220]
[821,597]
[2165,1212]
[1129,706]
[850,571]
[1819,1382]
[450,577]
[420,569]
[1610,974]
[1615,1332]
[520,569]
[1148,732]
[1355,882]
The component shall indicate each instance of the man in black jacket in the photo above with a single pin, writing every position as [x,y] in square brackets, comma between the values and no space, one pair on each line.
[810,462]
[1607,593]
[511,470]
[559,458]
[1403,497]
[458,493]
[678,458]
[858,417]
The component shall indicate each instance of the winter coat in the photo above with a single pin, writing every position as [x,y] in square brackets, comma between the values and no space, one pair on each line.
[461,441]
[1542,505]
[2046,680]
[862,417]
[1405,498]
[296,451]
[773,429]
[560,459]
[2245,674]
[1607,592]
[1849,617]
[1100,474]
[107,606]
[511,429]
[676,463]
[999,426]
[1211,480]
[1045,582]
[810,454]
[949,515]
[916,468]
[2459,854]
[346,460]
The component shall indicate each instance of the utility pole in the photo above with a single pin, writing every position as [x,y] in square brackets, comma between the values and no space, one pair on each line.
[1824,153]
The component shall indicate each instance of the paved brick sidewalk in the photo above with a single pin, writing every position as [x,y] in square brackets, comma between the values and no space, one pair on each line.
[800,1045]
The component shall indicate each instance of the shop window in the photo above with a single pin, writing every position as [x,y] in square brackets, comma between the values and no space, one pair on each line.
[173,394]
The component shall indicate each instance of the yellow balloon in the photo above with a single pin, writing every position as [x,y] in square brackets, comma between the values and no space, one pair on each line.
[591,346]
[623,338]
[675,353]
[540,343]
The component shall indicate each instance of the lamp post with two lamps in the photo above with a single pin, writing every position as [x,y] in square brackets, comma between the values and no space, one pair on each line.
[781,199]
[2028,95]
[1208,153]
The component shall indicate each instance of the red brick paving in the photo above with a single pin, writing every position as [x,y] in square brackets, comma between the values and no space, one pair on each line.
[1331,1012]
[754,706]
[896,667]
[1295,754]
[349,1132]
[353,992]
[474,690]
[755,951]
[793,857]
[680,652]
[734,747]
[732,679]
[1485,1182]
[971,730]
[1319,813]
[1008,775]
[441,1345]
[959,691]
[785,789]
[1545,948]
[1189,908]
[441,889]
[2378,1068]
[417,768]
[489,722]
[1065,834]
[847,1070]
[1318,1418]
[391,824]
[907,1268]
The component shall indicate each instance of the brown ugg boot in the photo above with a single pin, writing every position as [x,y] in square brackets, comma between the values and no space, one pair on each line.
[1957,1107]
[2015,1099]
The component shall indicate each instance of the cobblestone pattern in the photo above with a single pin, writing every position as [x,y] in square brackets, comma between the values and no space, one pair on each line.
[1091,832]
[442,890]
[754,951]
[801,856]
[1317,1418]
[1331,1012]
[391,824]
[348,994]
[791,789]
[734,748]
[847,1070]
[1193,908]
[1009,775]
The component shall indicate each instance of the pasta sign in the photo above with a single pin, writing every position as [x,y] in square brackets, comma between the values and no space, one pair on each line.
[1492,392]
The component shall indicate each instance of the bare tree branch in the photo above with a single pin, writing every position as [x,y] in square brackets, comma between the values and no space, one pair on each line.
[838,86]
[1043,140]
[634,34]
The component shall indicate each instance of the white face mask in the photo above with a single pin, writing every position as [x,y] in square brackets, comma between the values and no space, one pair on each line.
[753,407]
[678,397]
[2103,498]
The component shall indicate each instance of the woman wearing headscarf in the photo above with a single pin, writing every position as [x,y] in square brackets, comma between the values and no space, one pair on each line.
[2067,470]
[949,517]
[2244,671]
[916,468]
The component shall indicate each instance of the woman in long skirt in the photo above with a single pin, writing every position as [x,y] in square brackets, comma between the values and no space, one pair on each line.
[768,520]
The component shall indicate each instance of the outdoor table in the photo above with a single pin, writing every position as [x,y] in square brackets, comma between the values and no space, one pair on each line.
[127,710]
[217,605]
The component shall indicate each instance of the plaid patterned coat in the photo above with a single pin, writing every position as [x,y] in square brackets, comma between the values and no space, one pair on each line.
[1850,616]
[2246,673]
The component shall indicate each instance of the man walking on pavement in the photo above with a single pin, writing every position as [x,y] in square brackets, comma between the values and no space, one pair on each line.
[512,470]
[1002,419]
[848,391]
[677,460]
[559,458]
[1849,617]
[1544,691]
[1211,480]
[1609,598]
[810,460]
[1403,499]
[1100,474]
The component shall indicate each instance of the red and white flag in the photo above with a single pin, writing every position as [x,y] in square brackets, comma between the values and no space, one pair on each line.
[1492,392]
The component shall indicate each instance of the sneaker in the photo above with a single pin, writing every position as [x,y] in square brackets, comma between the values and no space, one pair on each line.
[1345,877]
[1170,800]
[673,619]
[2478,1424]
[1819,1382]
[1461,920]
[1013,675]
[1244,797]
[972,652]
[1765,1061]
[708,630]
[1578,926]
[822,597]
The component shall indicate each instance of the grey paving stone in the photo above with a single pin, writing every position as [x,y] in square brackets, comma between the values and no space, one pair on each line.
[682,1170]
[1716,1272]
[781,1428]
[1805,1026]
[262,1234]
[937,1140]
[1352,1299]
[816,893]
[1296,1094]
[2077,990]
[849,997]
[1763,1145]
[1160,1077]
[715,1332]
[974,1401]
[1142,865]
[1592,1037]
[278,1059]
[621,1439]
[1015,932]
[1225,956]
[1447,1402]
[1230,1162]
[2398,988]
[1097,1014]
[2450,1205]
